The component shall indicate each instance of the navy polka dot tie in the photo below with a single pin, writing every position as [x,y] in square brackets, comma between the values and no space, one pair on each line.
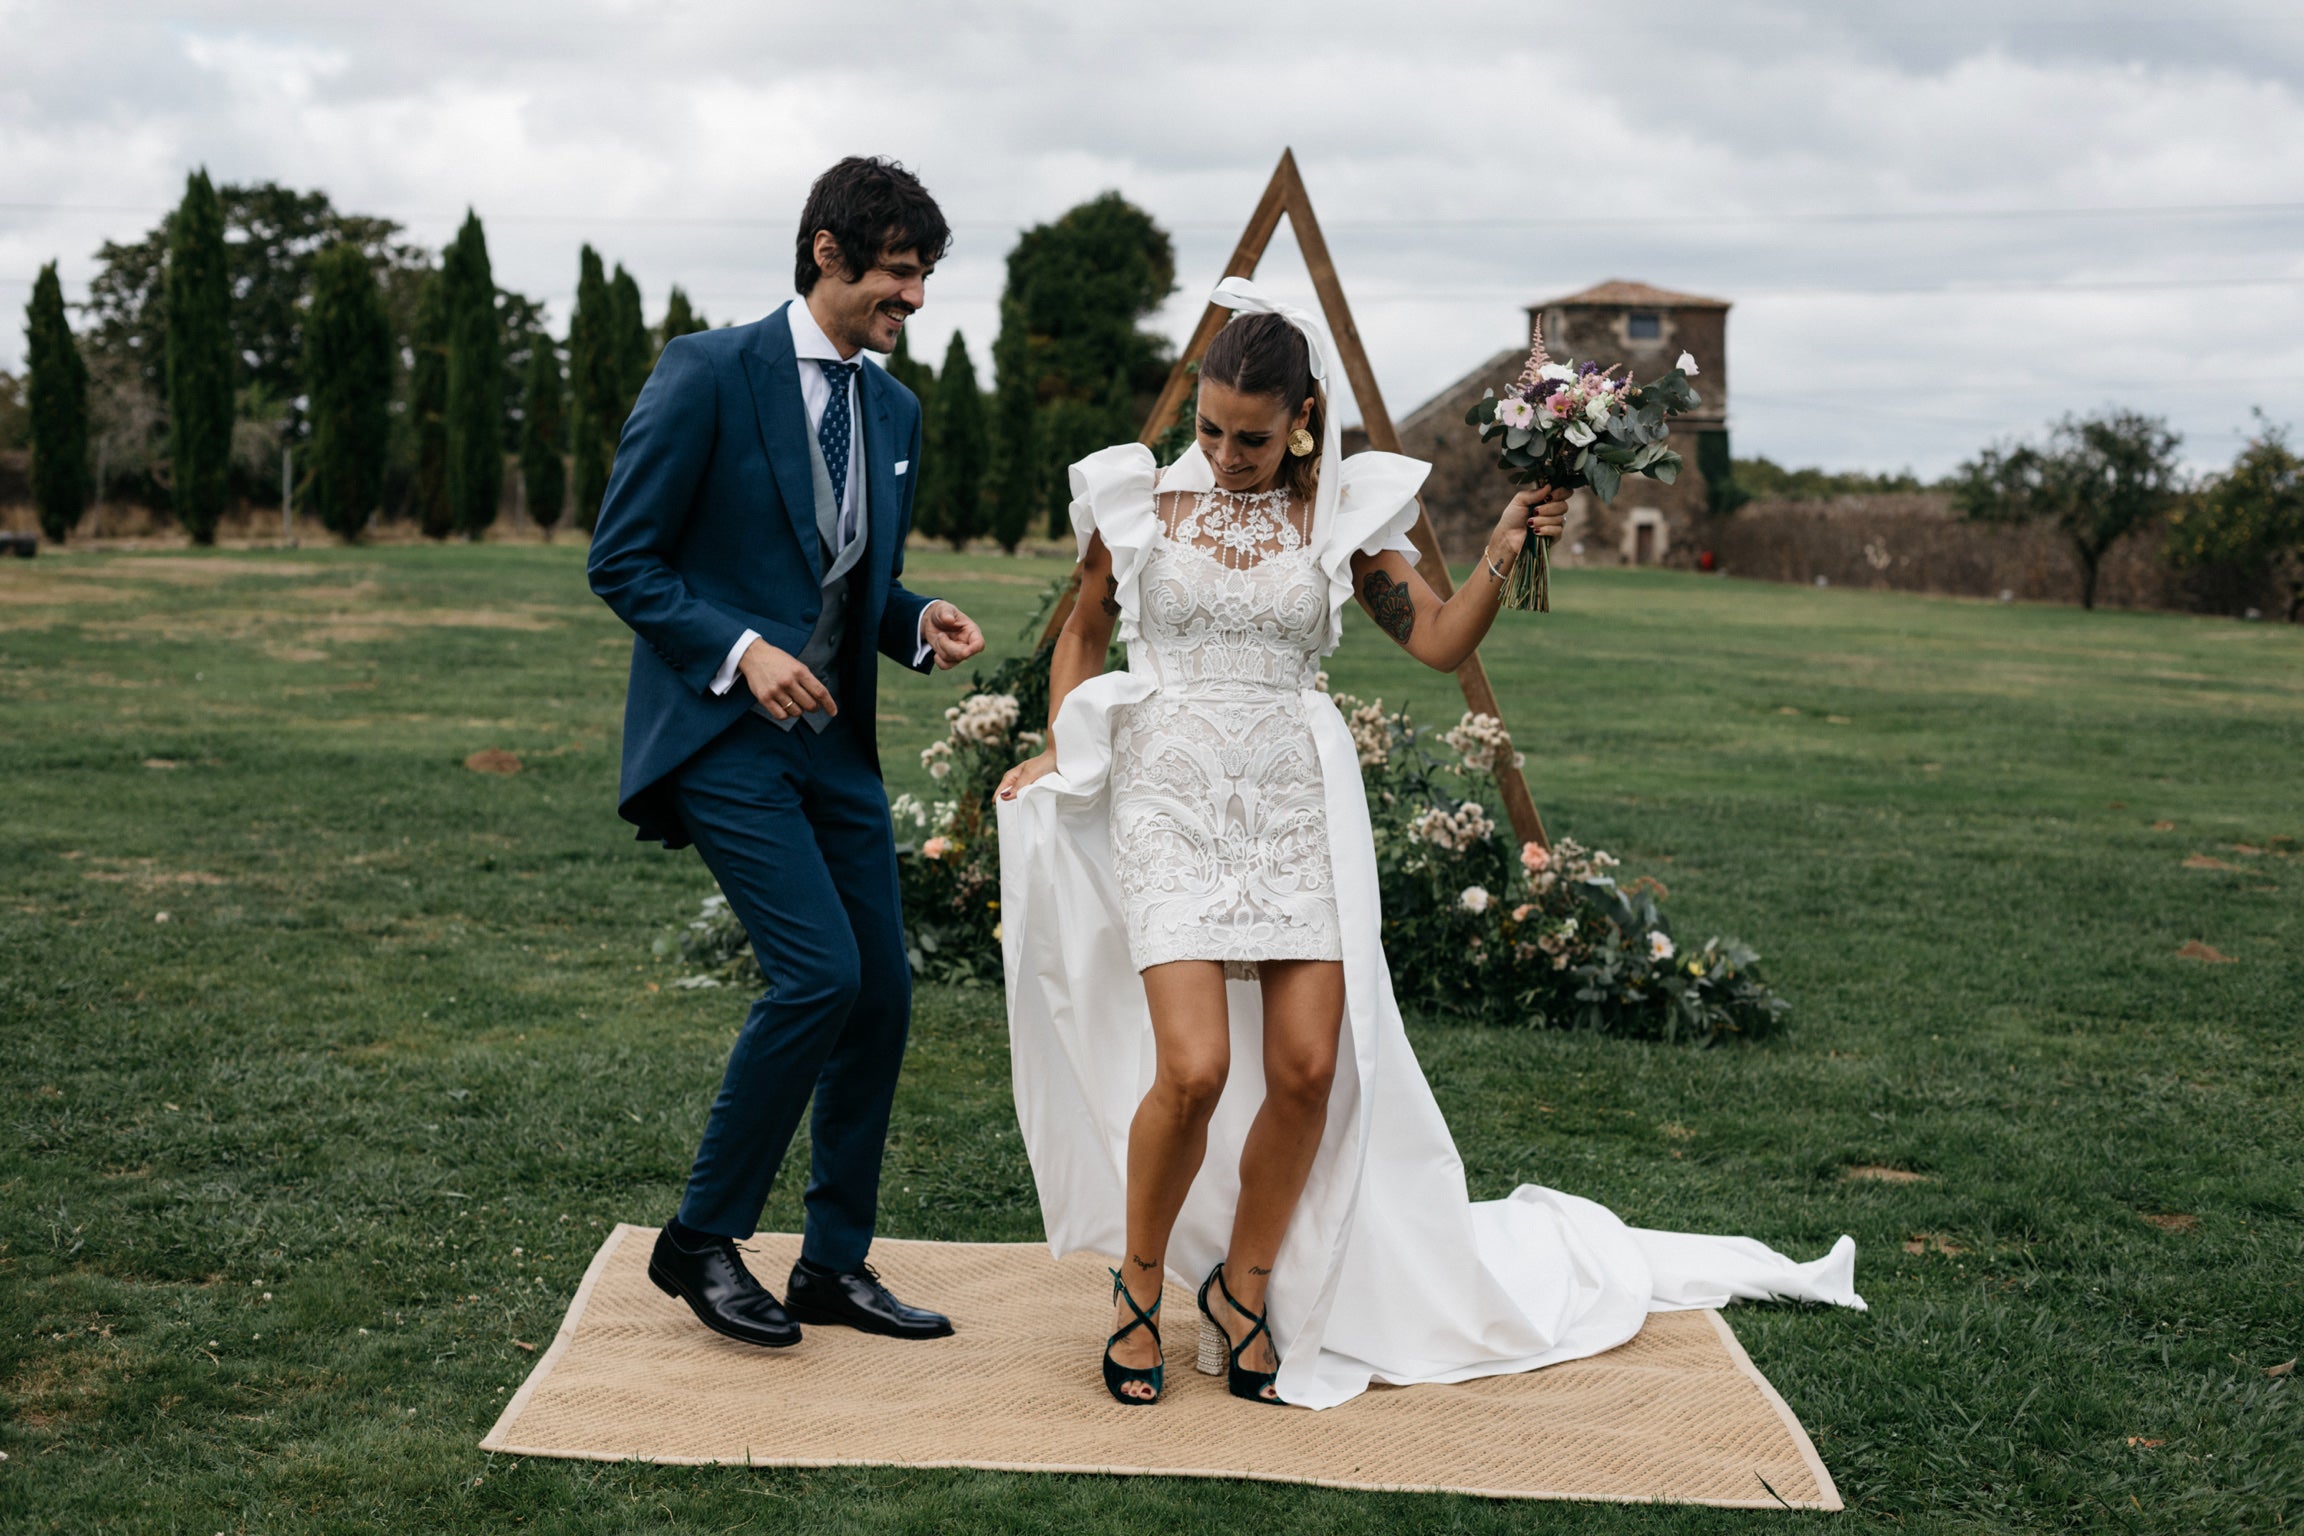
[832,435]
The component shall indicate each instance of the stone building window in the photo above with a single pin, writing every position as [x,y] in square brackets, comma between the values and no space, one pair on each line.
[1643,327]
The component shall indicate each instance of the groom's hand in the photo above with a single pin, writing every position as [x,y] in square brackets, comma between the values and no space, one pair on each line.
[784,687]
[951,634]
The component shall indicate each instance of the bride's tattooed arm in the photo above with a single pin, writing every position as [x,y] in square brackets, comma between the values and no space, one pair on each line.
[1390,604]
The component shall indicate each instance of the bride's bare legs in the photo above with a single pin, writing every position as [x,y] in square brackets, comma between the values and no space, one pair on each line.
[1303,1017]
[1191,1032]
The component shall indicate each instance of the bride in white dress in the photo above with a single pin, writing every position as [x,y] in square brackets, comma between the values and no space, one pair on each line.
[1211,1073]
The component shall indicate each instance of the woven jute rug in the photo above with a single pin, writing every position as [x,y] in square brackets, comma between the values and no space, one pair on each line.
[1678,1414]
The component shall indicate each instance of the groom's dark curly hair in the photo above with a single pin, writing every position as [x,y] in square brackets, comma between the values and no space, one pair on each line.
[869,206]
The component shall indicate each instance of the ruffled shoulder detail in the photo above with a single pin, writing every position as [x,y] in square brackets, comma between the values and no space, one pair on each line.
[1112,496]
[1375,507]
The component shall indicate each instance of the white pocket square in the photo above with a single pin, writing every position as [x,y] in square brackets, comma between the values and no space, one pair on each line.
[903,465]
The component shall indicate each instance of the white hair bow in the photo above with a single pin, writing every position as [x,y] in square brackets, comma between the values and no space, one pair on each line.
[1243,296]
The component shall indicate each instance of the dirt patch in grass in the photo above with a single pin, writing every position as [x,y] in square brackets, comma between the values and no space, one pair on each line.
[195,570]
[1880,1174]
[146,874]
[2171,1221]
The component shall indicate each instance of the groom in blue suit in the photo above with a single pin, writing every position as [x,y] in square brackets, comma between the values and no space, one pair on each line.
[752,536]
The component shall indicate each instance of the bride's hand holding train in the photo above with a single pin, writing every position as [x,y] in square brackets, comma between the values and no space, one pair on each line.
[1442,633]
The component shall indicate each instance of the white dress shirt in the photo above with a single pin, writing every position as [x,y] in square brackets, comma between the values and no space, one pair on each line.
[808,344]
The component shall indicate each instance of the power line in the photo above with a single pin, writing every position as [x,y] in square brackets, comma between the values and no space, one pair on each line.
[1568,221]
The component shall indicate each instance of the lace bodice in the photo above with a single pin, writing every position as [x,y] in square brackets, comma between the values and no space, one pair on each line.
[1230,597]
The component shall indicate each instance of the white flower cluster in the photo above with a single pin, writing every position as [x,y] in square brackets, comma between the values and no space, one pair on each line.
[1475,899]
[904,809]
[1454,830]
[937,759]
[1483,742]
[986,718]
[1371,729]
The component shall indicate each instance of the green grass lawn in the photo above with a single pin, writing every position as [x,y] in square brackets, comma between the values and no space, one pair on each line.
[290,1169]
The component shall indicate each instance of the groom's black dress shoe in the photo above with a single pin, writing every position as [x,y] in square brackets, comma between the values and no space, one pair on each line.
[858,1300]
[706,1272]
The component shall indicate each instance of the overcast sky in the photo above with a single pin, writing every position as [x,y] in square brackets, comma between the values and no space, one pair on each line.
[1938,223]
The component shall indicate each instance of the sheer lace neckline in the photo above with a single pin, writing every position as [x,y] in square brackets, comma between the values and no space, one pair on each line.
[1240,530]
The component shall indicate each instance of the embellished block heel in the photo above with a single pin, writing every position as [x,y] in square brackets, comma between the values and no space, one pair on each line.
[1118,1376]
[1219,1354]
[1215,1349]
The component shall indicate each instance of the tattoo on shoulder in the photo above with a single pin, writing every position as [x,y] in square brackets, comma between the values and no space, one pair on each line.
[1111,598]
[1389,604]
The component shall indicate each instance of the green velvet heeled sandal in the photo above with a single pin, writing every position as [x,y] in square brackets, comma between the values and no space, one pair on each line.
[1116,1375]
[1219,1356]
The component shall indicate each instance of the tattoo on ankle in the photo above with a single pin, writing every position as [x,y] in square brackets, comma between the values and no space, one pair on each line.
[1390,605]
[1143,1263]
[1258,1269]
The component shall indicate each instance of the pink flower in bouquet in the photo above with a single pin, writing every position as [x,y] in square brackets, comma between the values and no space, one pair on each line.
[1535,858]
[935,848]
[1515,412]
[1559,405]
[1520,912]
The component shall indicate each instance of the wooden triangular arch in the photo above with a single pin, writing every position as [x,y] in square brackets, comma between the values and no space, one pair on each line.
[1285,194]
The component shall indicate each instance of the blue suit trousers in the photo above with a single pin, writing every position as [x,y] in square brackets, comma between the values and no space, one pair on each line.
[794,826]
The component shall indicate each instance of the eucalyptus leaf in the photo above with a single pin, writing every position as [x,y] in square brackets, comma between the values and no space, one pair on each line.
[1605,479]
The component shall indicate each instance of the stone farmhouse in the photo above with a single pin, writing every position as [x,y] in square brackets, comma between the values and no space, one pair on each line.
[1615,322]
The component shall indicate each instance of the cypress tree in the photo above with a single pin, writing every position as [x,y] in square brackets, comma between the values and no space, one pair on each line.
[475,382]
[919,378]
[959,449]
[1015,431]
[543,475]
[592,418]
[58,406]
[348,373]
[632,359]
[428,403]
[680,318]
[199,360]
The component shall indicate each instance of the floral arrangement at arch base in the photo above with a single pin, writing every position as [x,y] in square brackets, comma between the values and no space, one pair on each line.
[1475,925]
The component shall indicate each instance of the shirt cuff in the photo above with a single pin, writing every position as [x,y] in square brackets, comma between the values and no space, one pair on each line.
[725,678]
[922,653]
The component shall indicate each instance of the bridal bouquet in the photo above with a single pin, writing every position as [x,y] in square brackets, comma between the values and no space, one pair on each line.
[1575,425]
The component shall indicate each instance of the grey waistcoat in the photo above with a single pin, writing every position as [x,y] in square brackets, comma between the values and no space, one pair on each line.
[821,652]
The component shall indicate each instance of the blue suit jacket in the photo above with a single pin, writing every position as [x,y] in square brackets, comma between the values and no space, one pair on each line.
[708,528]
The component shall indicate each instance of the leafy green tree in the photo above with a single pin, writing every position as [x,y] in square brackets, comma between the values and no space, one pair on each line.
[428,405]
[543,437]
[199,342]
[58,410]
[2096,479]
[475,413]
[2251,517]
[1016,472]
[272,235]
[593,420]
[633,358]
[1765,477]
[959,448]
[680,319]
[1081,285]
[348,371]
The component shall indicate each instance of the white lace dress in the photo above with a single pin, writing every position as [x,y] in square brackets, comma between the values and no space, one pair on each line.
[1207,802]
[1219,821]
